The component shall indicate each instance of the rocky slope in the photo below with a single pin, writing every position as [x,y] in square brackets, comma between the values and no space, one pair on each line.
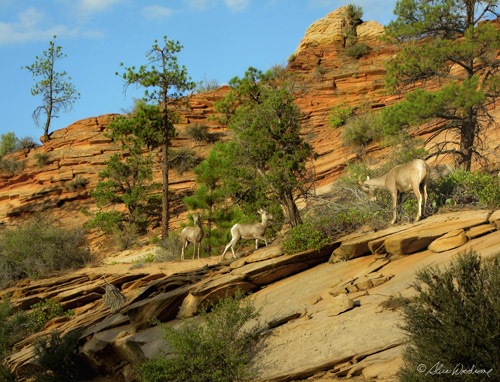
[325,312]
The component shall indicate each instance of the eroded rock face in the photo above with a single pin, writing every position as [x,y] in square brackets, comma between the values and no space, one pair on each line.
[320,318]
[330,29]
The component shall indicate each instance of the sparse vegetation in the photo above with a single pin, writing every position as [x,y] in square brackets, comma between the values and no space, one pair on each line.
[305,236]
[357,51]
[469,188]
[453,321]
[220,348]
[38,248]
[207,86]
[11,167]
[8,142]
[361,130]
[43,311]
[200,133]
[79,182]
[339,115]
[58,358]
[183,160]
[292,58]
[42,159]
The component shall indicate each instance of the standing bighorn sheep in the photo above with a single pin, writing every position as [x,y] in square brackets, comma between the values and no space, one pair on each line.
[249,231]
[192,235]
[405,177]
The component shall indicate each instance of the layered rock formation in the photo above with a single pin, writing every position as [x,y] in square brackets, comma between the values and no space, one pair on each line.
[324,319]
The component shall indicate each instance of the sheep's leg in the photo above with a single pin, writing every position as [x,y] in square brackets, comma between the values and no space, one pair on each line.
[256,243]
[394,207]
[418,194]
[183,251]
[231,245]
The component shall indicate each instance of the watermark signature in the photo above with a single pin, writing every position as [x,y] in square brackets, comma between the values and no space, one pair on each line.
[458,370]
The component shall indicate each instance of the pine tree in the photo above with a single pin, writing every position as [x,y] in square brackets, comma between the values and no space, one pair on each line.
[268,155]
[449,43]
[55,87]
[166,83]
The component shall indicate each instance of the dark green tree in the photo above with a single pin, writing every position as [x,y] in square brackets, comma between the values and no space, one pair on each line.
[449,43]
[166,83]
[210,197]
[452,323]
[57,91]
[268,155]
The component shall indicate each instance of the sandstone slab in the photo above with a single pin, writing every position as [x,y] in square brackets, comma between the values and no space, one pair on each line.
[449,241]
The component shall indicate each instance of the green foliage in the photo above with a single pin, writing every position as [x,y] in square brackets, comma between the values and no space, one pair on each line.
[38,248]
[452,323]
[469,188]
[268,154]
[170,248]
[43,311]
[166,82]
[11,167]
[339,114]
[303,237]
[350,21]
[361,130]
[292,58]
[8,143]
[219,349]
[42,159]
[58,358]
[358,50]
[200,133]
[55,88]
[127,182]
[449,31]
[12,326]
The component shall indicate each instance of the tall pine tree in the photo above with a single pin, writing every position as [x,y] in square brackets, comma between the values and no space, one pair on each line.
[449,43]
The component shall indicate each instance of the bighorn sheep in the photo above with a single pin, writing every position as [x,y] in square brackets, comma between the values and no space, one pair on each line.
[192,235]
[405,177]
[249,231]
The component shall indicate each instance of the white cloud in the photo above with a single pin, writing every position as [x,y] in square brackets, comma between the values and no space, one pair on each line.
[156,12]
[95,6]
[237,5]
[199,5]
[29,27]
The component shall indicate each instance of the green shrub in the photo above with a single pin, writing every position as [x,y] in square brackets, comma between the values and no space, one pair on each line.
[291,58]
[13,326]
[200,133]
[219,349]
[452,323]
[183,160]
[362,130]
[8,143]
[26,143]
[58,358]
[170,248]
[357,51]
[38,248]
[42,159]
[11,167]
[303,237]
[338,115]
[469,188]
[43,311]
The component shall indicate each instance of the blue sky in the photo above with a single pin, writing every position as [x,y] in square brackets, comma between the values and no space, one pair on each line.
[221,39]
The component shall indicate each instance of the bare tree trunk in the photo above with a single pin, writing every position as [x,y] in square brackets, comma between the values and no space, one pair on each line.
[291,211]
[165,202]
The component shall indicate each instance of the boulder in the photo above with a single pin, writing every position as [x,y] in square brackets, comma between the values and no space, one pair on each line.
[448,241]
[339,304]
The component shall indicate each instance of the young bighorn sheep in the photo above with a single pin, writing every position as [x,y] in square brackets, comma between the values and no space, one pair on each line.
[249,231]
[192,235]
[405,177]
